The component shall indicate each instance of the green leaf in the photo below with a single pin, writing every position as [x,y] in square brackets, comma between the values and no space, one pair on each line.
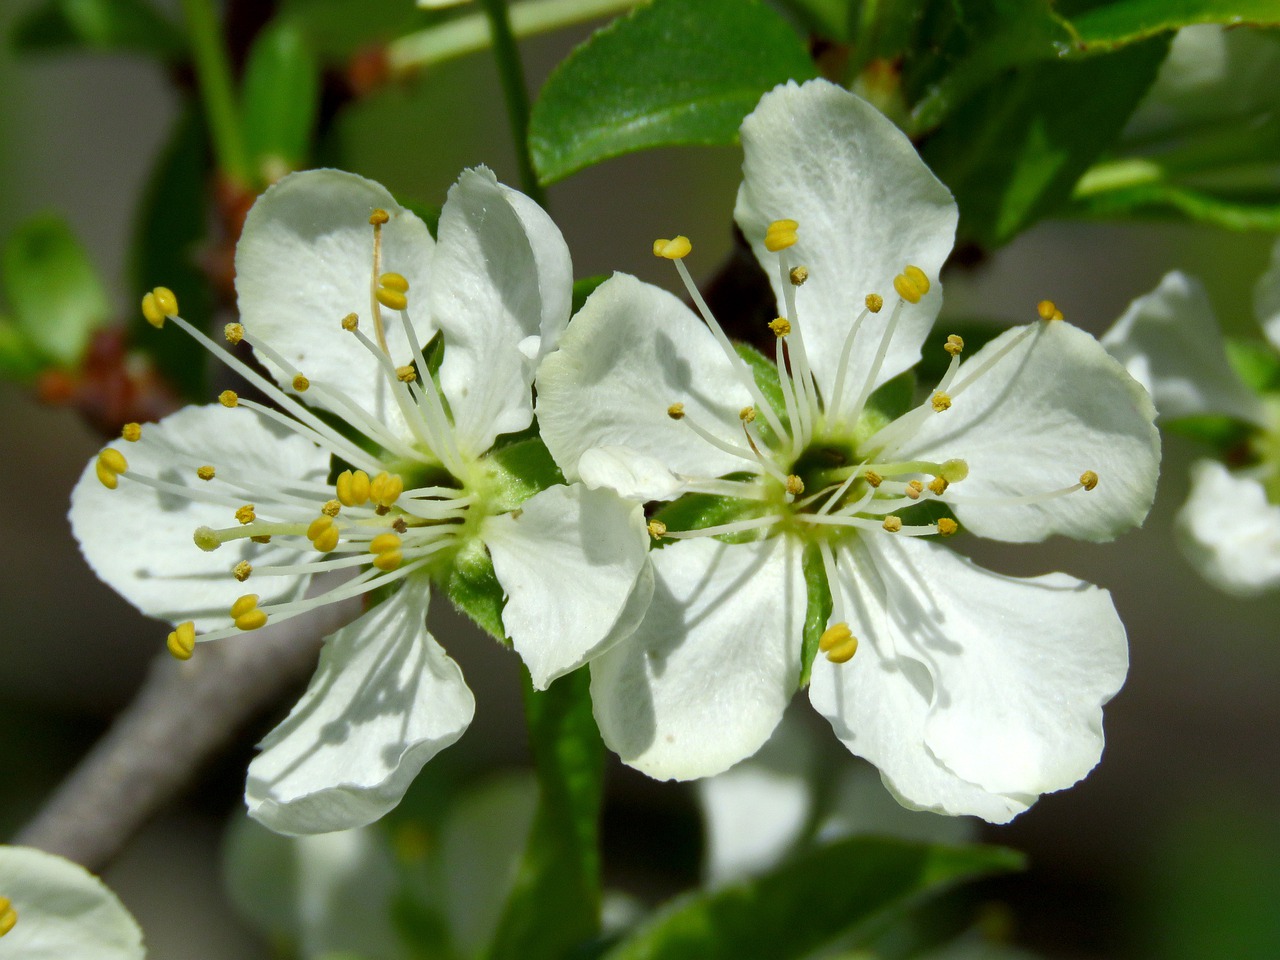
[670,72]
[1224,434]
[1257,364]
[1012,154]
[170,229]
[280,99]
[473,587]
[54,290]
[808,902]
[1128,21]
[1173,201]
[817,610]
[555,904]
[131,26]
[18,358]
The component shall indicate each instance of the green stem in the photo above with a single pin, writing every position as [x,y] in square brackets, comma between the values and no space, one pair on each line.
[470,33]
[511,73]
[213,75]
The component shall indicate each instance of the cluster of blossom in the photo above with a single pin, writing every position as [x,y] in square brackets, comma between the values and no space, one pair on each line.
[1169,340]
[707,509]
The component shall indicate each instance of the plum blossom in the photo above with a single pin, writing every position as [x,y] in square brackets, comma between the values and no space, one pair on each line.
[1169,340]
[374,474]
[805,511]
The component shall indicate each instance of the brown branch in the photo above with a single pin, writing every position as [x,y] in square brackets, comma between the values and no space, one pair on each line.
[183,714]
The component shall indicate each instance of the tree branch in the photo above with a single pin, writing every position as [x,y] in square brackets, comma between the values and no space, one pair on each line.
[183,714]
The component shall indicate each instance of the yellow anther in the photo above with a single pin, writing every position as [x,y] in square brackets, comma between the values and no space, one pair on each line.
[352,488]
[182,641]
[406,374]
[874,302]
[388,561]
[941,402]
[953,471]
[319,525]
[677,248]
[263,538]
[954,345]
[1048,310]
[947,526]
[391,299]
[385,489]
[207,539]
[781,327]
[245,613]
[844,652]
[394,281]
[379,217]
[892,524]
[159,304]
[794,485]
[327,540]
[676,411]
[873,478]
[111,463]
[331,508]
[657,529]
[206,472]
[914,489]
[939,485]
[747,414]
[780,235]
[242,570]
[1088,479]
[911,284]
[8,915]
[131,432]
[384,542]
[799,275]
[229,398]
[301,383]
[246,514]
[350,322]
[234,333]
[834,635]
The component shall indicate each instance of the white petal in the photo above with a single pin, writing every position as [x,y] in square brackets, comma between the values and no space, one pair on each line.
[502,274]
[867,206]
[1053,407]
[705,678]
[631,352]
[629,473]
[1170,343]
[756,813]
[574,566]
[879,702]
[139,541]
[305,261]
[63,911]
[384,700]
[1021,667]
[1266,298]
[1229,531]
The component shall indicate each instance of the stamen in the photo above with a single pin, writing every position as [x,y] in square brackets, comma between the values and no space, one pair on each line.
[738,526]
[657,529]
[322,533]
[911,284]
[8,915]
[941,402]
[428,399]
[837,393]
[877,362]
[781,327]
[947,526]
[331,508]
[676,411]
[376,220]
[406,373]
[806,388]
[392,290]
[676,248]
[1088,480]
[301,383]
[874,302]
[747,414]
[385,489]
[159,305]
[352,488]
[914,489]
[974,375]
[131,432]
[246,514]
[874,479]
[206,472]
[245,613]
[892,523]
[798,276]
[182,641]
[1048,310]
[780,235]
[954,345]
[386,550]
[864,523]
[229,399]
[110,465]
[242,570]
[838,643]
[938,485]
[794,485]
[233,332]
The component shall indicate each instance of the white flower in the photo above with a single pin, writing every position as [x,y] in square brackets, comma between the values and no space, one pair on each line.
[53,909]
[377,468]
[1169,340]
[971,691]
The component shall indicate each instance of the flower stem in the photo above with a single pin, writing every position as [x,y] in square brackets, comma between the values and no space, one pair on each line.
[511,73]
[213,76]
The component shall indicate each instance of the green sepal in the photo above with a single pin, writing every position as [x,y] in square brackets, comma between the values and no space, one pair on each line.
[695,510]
[55,293]
[833,892]
[1257,364]
[554,906]
[18,358]
[669,73]
[818,606]
[472,585]
[107,26]
[584,288]
[280,97]
[522,467]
